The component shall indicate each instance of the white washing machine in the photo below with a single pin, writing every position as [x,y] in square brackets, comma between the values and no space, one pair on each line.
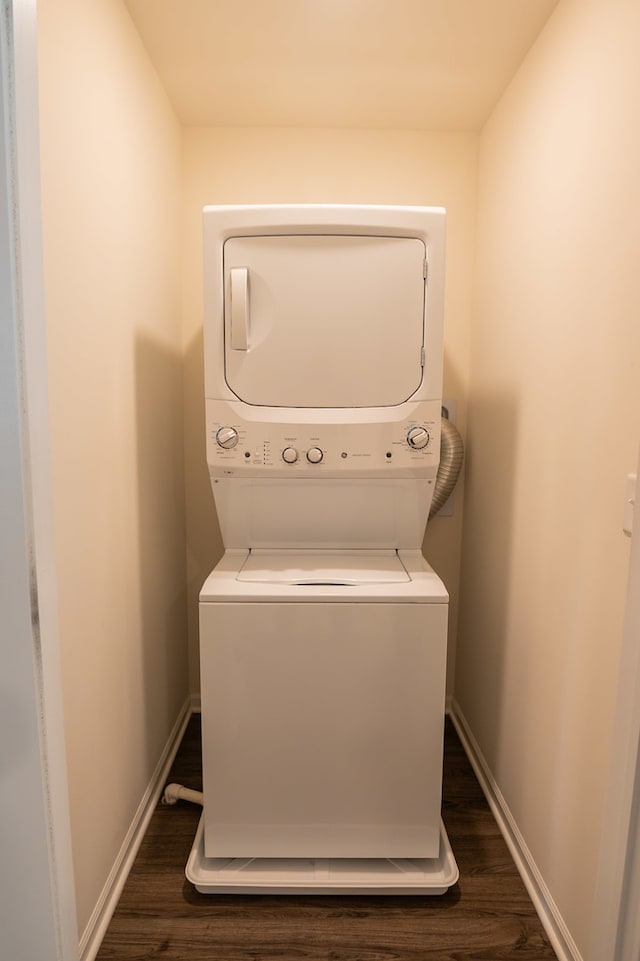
[323,630]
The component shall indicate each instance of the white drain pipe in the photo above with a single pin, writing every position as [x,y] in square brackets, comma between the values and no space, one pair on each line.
[176,792]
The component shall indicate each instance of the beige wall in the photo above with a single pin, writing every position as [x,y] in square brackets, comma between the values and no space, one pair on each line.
[289,165]
[111,169]
[554,424]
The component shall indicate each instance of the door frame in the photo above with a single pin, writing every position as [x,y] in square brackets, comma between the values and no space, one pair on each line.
[616,929]
[37,891]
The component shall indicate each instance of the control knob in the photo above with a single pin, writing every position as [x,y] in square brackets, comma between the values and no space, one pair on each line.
[418,438]
[289,455]
[226,437]
[314,455]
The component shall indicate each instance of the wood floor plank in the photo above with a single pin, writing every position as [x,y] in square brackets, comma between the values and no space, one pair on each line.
[487,916]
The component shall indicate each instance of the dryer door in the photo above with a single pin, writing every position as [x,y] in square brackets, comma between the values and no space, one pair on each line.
[324,321]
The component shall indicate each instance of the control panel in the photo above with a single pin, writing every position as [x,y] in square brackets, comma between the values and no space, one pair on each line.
[409,445]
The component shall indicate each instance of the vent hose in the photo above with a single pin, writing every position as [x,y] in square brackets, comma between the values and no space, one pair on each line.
[451,456]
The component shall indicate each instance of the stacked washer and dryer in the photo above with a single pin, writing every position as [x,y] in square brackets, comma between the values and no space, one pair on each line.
[323,631]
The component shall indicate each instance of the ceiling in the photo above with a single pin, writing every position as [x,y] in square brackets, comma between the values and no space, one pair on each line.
[403,64]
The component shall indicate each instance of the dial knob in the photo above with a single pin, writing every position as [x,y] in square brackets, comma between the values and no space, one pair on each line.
[289,455]
[418,437]
[314,455]
[227,437]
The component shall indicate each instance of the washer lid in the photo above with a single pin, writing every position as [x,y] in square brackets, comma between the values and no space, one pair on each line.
[323,567]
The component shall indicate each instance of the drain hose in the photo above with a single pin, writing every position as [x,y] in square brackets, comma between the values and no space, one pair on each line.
[451,455]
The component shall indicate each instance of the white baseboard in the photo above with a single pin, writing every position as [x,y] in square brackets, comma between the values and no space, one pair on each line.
[196,704]
[99,921]
[546,908]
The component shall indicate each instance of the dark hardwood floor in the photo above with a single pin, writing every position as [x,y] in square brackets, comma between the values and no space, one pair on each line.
[487,916]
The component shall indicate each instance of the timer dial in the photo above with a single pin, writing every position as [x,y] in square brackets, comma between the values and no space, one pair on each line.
[418,438]
[226,437]
[314,455]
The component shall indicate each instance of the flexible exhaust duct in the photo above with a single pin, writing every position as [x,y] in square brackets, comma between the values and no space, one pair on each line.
[451,457]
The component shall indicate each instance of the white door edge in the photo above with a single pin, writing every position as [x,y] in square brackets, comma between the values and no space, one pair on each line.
[38,865]
[616,933]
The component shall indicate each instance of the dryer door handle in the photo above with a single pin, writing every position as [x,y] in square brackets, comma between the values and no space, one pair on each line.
[239,308]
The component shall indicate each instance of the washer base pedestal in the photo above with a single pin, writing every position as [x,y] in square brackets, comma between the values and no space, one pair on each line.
[344,876]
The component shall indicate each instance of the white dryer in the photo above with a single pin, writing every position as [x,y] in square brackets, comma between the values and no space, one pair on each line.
[323,630]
